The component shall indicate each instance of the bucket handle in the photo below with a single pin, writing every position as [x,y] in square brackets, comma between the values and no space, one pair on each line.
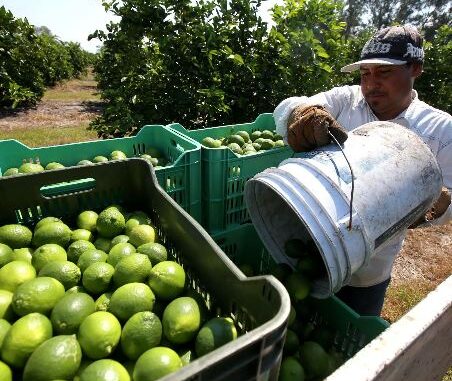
[353,179]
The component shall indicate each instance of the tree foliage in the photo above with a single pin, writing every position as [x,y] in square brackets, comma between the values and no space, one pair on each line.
[208,62]
[31,58]
[427,15]
[435,84]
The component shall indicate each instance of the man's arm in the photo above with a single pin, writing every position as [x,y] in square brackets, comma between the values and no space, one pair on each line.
[305,122]
[333,101]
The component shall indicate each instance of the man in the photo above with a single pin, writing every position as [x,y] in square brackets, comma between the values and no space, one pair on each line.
[390,62]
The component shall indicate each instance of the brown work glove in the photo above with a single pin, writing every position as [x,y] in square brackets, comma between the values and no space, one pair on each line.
[308,126]
[437,210]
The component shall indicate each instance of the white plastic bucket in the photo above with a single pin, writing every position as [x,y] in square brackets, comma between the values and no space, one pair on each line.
[396,180]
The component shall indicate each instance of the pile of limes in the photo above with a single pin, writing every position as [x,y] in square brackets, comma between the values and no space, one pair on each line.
[308,351]
[101,301]
[243,143]
[152,155]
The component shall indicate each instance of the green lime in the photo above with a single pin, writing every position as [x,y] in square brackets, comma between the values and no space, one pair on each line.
[87,220]
[110,222]
[100,159]
[135,219]
[156,363]
[89,257]
[5,371]
[120,251]
[167,280]
[117,155]
[298,286]
[46,220]
[76,290]
[156,252]
[70,311]
[141,332]
[291,343]
[47,253]
[97,277]
[14,273]
[203,309]
[103,301]
[244,134]
[181,320]
[213,334]
[15,236]
[6,254]
[99,334]
[53,165]
[64,271]
[52,232]
[255,135]
[23,254]
[4,328]
[24,336]
[311,266]
[210,142]
[122,238]
[314,359]
[37,295]
[56,358]
[6,308]
[77,248]
[130,299]
[102,243]
[291,370]
[31,168]
[85,162]
[142,234]
[11,171]
[105,370]
[234,138]
[82,234]
[133,268]
[281,271]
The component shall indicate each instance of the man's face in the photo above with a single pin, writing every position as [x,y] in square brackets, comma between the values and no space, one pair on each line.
[387,88]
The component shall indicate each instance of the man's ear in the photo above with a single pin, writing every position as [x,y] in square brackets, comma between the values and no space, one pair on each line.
[416,69]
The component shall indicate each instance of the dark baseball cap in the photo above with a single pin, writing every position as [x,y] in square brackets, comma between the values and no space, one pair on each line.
[395,45]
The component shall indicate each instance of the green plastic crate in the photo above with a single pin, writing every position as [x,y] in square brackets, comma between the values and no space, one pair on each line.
[260,306]
[225,173]
[351,331]
[181,180]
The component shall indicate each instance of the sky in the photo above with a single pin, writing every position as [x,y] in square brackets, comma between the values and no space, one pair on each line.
[74,20]
[70,20]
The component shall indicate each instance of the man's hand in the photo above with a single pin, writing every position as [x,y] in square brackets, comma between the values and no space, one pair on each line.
[437,210]
[308,127]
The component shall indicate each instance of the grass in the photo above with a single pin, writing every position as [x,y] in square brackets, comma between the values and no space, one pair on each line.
[401,298]
[46,136]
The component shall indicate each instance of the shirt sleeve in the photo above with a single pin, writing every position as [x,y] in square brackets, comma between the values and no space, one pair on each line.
[333,100]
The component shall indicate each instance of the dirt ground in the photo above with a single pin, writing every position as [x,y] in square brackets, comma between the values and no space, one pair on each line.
[424,262]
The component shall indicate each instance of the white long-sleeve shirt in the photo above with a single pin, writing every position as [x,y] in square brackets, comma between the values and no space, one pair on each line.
[348,106]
